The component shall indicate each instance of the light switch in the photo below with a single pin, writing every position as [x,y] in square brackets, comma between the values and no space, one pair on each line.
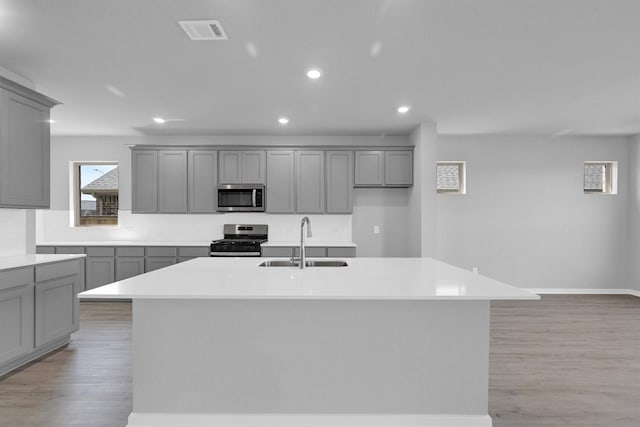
[376,229]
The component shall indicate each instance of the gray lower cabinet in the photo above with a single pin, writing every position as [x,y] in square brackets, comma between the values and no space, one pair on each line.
[56,303]
[190,252]
[310,184]
[280,182]
[202,166]
[144,181]
[159,257]
[16,314]
[129,262]
[172,181]
[24,147]
[311,251]
[339,173]
[39,310]
[100,266]
[242,167]
[391,168]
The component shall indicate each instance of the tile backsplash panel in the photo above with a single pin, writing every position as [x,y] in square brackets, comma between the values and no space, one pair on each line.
[53,226]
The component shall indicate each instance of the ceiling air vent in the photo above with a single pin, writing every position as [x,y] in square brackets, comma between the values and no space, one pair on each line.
[203,30]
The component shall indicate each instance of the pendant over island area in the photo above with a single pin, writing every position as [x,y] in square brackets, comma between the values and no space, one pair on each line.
[377,342]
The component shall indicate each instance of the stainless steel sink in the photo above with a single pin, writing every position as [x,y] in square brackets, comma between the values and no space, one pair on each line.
[314,263]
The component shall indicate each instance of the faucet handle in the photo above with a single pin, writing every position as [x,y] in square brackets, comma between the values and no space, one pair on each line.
[309,234]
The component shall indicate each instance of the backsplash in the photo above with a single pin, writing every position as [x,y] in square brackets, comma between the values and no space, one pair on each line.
[53,226]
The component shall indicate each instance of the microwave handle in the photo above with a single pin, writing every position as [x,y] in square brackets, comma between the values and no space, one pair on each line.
[253,197]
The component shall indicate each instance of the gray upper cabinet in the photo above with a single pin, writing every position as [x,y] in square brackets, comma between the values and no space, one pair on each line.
[172,181]
[24,147]
[144,181]
[398,168]
[392,168]
[369,168]
[242,167]
[339,178]
[280,181]
[310,190]
[203,180]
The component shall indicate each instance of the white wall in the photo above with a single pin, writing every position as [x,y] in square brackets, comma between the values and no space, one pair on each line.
[525,219]
[54,225]
[17,232]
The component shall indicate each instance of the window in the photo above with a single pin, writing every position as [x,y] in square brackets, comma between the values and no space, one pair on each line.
[601,177]
[450,177]
[95,193]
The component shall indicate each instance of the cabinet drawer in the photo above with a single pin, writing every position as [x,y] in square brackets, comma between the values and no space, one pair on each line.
[156,263]
[194,252]
[312,252]
[14,278]
[56,270]
[130,251]
[341,252]
[277,252]
[100,251]
[46,250]
[70,249]
[161,251]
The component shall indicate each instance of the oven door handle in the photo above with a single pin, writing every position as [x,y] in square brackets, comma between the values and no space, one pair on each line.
[254,197]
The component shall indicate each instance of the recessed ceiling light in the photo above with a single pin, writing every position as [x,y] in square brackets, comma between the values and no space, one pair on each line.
[51,121]
[314,73]
[283,120]
[403,109]
[159,120]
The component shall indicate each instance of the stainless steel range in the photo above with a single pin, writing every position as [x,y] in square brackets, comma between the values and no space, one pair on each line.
[240,240]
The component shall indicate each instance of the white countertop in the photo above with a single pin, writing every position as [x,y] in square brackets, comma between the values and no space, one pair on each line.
[310,244]
[123,243]
[18,261]
[363,278]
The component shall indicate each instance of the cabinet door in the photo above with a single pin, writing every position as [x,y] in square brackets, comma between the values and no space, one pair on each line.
[16,313]
[24,152]
[56,312]
[339,182]
[144,181]
[398,169]
[128,267]
[100,271]
[203,181]
[156,263]
[280,182]
[253,167]
[369,168]
[309,170]
[172,181]
[230,167]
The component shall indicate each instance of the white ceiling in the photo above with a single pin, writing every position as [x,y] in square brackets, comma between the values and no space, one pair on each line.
[473,66]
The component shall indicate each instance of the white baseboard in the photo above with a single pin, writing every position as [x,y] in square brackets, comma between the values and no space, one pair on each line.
[584,291]
[137,419]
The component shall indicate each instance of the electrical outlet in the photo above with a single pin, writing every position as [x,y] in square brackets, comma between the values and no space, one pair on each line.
[475,270]
[376,229]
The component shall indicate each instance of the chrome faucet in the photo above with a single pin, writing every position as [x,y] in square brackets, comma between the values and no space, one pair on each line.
[305,220]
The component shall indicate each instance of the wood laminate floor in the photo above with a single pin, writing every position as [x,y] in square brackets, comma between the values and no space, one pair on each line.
[562,361]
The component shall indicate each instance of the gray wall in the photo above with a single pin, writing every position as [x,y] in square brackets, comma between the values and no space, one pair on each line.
[525,219]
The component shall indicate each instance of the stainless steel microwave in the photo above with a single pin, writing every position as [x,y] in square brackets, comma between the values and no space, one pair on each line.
[241,198]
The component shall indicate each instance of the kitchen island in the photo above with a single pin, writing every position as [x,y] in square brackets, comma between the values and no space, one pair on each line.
[380,342]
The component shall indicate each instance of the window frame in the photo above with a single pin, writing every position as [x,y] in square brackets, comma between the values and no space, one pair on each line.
[75,202]
[462,176]
[610,184]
